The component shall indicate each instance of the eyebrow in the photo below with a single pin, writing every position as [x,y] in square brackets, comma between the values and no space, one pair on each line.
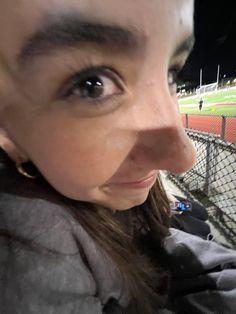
[70,30]
[185,46]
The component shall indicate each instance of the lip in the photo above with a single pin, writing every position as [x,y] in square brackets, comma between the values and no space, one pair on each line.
[139,184]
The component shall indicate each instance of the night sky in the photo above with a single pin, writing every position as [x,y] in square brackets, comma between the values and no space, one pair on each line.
[215,32]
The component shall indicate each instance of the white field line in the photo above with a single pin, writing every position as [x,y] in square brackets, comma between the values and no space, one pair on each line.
[195,105]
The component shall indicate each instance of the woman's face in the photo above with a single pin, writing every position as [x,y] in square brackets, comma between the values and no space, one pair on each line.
[87,92]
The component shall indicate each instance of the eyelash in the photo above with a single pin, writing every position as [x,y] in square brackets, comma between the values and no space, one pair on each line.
[106,73]
[111,76]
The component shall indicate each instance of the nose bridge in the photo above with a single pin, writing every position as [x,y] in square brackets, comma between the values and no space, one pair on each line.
[158,110]
[162,140]
[162,124]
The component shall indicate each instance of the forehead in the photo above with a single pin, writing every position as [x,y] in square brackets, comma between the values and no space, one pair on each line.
[20,18]
[95,8]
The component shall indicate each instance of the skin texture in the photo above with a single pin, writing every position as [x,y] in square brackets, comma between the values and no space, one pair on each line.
[92,149]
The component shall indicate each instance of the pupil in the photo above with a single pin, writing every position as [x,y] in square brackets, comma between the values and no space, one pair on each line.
[92,87]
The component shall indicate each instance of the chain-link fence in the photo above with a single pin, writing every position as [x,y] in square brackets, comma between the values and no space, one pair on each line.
[223,126]
[212,181]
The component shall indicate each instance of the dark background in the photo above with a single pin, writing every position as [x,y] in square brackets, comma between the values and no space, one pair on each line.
[215,32]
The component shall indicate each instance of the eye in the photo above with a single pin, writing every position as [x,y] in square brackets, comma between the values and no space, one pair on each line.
[94,85]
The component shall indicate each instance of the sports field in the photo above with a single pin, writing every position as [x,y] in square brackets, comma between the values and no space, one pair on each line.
[222,102]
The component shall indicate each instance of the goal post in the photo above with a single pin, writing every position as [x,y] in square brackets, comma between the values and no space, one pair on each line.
[204,89]
[207,88]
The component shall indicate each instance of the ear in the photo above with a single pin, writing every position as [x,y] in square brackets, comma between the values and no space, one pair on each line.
[11,149]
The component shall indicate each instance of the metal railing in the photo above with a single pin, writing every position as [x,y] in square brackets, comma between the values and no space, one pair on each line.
[212,181]
[223,126]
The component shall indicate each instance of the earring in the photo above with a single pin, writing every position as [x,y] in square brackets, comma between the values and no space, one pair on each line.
[22,171]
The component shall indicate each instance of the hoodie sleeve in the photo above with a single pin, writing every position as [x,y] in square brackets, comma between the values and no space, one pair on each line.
[34,280]
[41,266]
[203,275]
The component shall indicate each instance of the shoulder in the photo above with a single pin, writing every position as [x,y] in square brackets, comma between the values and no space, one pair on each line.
[197,246]
[203,274]
[31,210]
[41,260]
[208,254]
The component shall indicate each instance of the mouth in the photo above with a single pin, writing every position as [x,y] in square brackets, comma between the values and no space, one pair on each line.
[146,182]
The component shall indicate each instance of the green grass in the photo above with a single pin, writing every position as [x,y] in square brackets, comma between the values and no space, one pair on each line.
[224,96]
[190,104]
[212,110]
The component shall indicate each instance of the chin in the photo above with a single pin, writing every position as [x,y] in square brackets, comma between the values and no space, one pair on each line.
[123,204]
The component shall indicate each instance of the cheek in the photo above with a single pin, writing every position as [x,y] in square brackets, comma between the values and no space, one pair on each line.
[81,154]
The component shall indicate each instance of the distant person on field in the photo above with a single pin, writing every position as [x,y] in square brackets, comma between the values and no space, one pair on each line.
[200,104]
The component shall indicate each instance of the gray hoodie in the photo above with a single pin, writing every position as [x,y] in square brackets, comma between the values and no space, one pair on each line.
[36,280]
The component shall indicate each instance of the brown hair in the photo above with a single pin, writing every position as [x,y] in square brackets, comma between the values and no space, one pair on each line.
[147,283]
[145,276]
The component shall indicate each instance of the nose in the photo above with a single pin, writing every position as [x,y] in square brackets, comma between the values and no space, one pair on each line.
[162,142]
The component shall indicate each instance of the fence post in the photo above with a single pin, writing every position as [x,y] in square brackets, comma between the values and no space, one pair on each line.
[186,121]
[223,127]
[208,158]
